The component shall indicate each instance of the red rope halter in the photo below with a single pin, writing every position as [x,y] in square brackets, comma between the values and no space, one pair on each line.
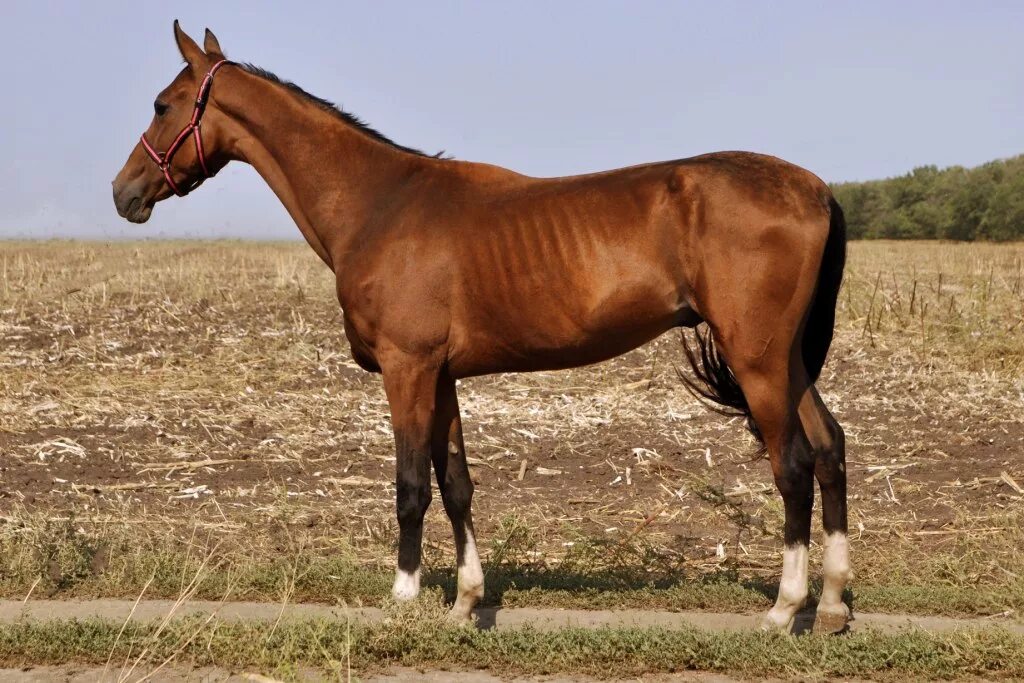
[163,159]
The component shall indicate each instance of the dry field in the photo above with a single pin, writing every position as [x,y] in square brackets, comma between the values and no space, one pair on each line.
[186,418]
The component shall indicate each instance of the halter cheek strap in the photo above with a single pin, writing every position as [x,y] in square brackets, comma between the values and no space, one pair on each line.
[163,159]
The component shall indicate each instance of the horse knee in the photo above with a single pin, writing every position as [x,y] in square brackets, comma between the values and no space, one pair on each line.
[413,498]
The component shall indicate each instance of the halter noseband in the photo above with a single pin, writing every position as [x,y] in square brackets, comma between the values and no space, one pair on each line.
[163,160]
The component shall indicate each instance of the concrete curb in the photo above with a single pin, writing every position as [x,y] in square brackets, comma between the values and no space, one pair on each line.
[489,617]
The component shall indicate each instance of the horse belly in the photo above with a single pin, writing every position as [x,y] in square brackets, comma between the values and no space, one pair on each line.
[563,328]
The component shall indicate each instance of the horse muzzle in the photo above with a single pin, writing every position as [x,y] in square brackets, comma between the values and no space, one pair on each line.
[131,204]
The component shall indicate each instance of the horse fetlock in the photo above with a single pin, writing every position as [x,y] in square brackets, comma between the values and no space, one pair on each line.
[467,599]
[792,594]
[836,561]
[781,615]
[778,619]
[471,588]
[793,586]
[470,579]
[407,585]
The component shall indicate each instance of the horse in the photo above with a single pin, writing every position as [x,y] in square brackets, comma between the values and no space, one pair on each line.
[448,269]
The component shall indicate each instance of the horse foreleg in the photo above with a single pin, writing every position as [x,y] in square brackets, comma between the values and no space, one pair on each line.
[411,386]
[448,452]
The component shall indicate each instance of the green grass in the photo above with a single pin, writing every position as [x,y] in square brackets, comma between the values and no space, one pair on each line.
[423,640]
[76,565]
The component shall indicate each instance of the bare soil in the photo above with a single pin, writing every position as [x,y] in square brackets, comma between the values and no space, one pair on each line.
[211,385]
[204,393]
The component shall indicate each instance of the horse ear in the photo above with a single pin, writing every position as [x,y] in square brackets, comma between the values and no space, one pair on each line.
[212,47]
[188,48]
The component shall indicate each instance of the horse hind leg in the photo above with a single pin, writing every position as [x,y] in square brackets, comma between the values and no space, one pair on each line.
[770,398]
[766,382]
[829,444]
[804,443]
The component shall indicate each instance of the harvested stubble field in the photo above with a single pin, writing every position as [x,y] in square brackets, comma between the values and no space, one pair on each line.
[184,419]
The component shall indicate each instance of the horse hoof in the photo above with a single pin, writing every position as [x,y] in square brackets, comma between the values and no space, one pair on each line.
[832,621]
[770,622]
[459,617]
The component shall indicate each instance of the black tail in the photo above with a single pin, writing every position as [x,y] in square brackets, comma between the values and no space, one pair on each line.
[821,320]
[714,381]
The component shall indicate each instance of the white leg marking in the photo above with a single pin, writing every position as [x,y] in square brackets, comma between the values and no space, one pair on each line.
[471,574]
[407,586]
[471,580]
[836,573]
[792,588]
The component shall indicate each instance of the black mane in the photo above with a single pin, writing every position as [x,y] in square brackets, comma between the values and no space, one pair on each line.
[334,110]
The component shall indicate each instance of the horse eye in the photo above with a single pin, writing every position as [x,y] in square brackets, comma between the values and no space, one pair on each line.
[160,108]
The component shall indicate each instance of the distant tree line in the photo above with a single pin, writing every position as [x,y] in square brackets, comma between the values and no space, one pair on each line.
[982,203]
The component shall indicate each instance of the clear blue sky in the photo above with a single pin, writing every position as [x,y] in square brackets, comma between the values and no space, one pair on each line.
[850,90]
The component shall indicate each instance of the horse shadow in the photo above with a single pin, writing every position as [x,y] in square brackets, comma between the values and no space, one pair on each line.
[506,584]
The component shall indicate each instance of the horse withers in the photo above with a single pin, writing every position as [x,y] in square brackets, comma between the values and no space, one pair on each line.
[448,269]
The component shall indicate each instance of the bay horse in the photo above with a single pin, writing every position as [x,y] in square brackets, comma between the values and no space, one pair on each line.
[448,269]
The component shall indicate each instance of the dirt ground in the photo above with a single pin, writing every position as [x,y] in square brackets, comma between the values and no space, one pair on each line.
[211,385]
[191,391]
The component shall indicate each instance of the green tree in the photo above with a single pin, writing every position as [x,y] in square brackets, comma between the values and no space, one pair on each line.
[1004,216]
[986,202]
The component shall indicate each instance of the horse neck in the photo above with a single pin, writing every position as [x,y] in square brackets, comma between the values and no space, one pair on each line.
[328,174]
